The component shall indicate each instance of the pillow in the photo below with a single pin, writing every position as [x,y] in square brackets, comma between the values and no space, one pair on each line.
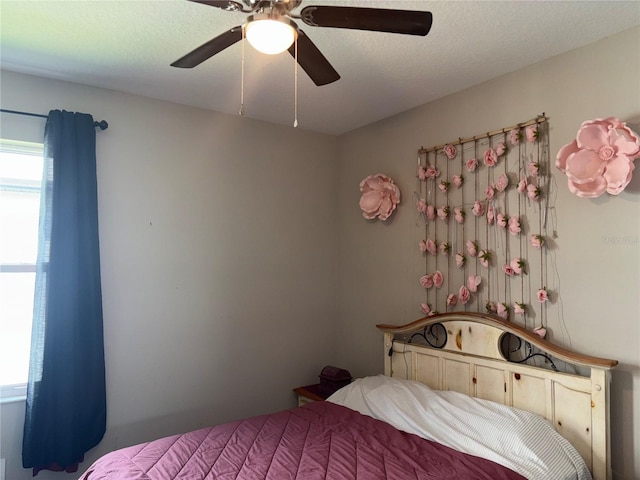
[522,441]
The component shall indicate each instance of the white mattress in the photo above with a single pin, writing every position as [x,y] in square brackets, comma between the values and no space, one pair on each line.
[519,440]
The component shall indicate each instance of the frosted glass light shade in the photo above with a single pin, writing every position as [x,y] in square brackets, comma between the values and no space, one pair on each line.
[270,35]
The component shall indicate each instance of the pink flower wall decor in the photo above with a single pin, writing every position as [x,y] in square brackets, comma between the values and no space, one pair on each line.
[458,214]
[522,185]
[472,248]
[380,196]
[445,248]
[438,279]
[423,246]
[491,215]
[514,226]
[431,172]
[458,180]
[490,192]
[426,281]
[533,192]
[518,265]
[533,168]
[501,149]
[443,212]
[478,208]
[501,220]
[514,136]
[460,259]
[431,212]
[464,295]
[422,173]
[508,270]
[540,331]
[421,205]
[502,183]
[473,282]
[502,309]
[431,246]
[490,306]
[471,164]
[450,151]
[452,299]
[519,308]
[537,241]
[425,308]
[490,157]
[485,257]
[542,295]
[444,186]
[532,133]
[600,159]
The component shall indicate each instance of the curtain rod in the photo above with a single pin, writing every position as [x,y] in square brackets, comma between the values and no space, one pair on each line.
[539,119]
[102,124]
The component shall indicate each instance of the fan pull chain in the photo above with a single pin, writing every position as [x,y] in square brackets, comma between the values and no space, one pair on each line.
[241,112]
[295,88]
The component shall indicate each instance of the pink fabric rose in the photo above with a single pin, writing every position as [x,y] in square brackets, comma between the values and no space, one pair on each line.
[537,241]
[460,260]
[438,279]
[431,212]
[514,136]
[501,220]
[432,248]
[501,148]
[522,185]
[458,214]
[478,208]
[431,172]
[421,205]
[426,281]
[423,246]
[533,168]
[443,212]
[542,295]
[452,299]
[532,133]
[519,308]
[540,331]
[444,186]
[422,173]
[464,295]
[426,308]
[490,306]
[445,248]
[491,215]
[473,282]
[490,192]
[502,309]
[471,164]
[510,272]
[502,183]
[517,264]
[458,180]
[490,157]
[450,151]
[379,196]
[514,226]
[472,248]
[600,159]
[533,192]
[484,257]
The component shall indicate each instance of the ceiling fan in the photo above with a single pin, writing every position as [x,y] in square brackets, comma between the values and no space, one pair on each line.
[268,17]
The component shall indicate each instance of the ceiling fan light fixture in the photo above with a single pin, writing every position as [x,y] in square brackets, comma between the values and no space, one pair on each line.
[270,34]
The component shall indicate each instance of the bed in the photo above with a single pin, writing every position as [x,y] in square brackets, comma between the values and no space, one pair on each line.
[463,396]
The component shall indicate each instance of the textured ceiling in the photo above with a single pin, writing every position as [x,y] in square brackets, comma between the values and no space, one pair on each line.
[128,46]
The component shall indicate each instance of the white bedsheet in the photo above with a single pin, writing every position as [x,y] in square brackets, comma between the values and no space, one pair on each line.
[519,440]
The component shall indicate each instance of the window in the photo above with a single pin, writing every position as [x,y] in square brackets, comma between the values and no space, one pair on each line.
[20,177]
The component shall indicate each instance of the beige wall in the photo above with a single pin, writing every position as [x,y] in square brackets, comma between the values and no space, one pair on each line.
[208,263]
[216,249]
[598,244]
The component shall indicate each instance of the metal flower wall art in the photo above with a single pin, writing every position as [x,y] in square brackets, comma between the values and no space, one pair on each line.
[380,196]
[600,159]
[483,204]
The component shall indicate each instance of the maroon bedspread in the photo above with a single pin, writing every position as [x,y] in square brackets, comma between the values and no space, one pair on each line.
[318,441]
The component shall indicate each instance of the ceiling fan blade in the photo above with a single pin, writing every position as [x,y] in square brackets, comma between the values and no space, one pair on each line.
[312,61]
[223,4]
[209,49]
[408,22]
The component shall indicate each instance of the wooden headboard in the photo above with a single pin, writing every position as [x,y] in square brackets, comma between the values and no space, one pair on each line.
[486,357]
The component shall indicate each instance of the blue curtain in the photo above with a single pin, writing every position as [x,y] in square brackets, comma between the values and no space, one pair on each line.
[66,395]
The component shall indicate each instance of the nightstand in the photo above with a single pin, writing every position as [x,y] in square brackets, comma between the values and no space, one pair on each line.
[308,394]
